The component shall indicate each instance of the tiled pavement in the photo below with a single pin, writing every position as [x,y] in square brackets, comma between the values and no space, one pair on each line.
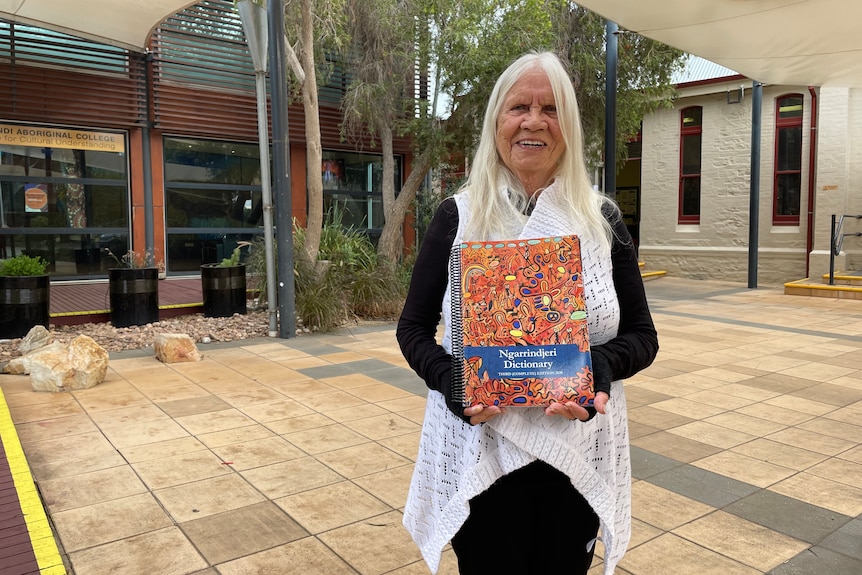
[294,456]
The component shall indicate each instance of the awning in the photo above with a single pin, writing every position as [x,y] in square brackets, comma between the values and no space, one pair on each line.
[798,42]
[123,23]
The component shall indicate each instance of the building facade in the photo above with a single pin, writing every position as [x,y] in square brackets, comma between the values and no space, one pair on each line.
[101,146]
[693,179]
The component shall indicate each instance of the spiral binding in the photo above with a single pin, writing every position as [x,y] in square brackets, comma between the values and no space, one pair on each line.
[457,325]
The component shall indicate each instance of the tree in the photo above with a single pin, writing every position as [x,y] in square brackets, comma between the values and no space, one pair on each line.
[465,45]
[644,75]
[381,62]
[312,27]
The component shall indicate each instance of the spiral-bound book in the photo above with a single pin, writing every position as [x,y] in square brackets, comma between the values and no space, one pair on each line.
[519,323]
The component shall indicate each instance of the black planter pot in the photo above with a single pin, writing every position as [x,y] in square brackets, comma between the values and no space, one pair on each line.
[24,304]
[224,290]
[134,296]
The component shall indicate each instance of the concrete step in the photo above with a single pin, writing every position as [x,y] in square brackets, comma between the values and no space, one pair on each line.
[815,288]
[646,276]
[649,275]
[851,278]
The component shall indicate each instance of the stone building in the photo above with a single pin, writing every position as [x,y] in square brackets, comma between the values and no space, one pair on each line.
[688,186]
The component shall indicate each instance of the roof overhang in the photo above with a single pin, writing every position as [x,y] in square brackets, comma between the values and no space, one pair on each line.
[124,23]
[796,42]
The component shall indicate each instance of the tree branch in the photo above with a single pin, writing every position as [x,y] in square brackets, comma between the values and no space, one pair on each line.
[294,62]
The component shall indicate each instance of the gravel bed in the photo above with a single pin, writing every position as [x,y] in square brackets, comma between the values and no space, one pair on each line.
[199,328]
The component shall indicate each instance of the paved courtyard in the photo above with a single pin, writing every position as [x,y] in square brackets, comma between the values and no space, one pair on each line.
[293,456]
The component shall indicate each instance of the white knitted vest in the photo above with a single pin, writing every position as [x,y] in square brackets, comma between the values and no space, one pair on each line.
[457,461]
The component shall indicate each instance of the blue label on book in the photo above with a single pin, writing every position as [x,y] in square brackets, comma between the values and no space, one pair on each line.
[516,362]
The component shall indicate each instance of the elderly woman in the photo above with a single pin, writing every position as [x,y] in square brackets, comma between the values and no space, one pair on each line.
[525,490]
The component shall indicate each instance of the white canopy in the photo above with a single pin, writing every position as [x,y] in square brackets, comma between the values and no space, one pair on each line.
[799,42]
[124,23]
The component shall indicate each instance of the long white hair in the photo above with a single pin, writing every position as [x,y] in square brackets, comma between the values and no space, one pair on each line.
[489,208]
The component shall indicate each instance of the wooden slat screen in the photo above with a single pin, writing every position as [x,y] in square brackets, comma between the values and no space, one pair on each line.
[54,78]
[204,80]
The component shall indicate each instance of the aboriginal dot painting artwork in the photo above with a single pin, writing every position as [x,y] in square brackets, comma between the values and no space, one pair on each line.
[520,323]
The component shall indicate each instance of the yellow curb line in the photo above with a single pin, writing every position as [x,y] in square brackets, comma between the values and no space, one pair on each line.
[799,284]
[41,537]
[181,305]
[652,274]
[107,311]
[74,313]
[842,278]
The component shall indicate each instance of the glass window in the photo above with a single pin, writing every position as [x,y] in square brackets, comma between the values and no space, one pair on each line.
[64,197]
[787,179]
[211,162]
[213,200]
[690,140]
[353,186]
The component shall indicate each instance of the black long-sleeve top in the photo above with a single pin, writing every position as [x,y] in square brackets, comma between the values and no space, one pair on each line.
[633,349]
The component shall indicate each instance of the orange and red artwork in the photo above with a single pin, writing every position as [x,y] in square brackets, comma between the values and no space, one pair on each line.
[523,338]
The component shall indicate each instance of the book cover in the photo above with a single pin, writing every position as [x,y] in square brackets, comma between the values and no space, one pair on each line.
[519,327]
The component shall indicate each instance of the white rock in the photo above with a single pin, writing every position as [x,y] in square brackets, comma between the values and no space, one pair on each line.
[80,365]
[175,348]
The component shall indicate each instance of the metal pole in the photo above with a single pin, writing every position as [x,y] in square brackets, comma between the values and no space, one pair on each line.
[611,109]
[266,200]
[146,159]
[281,169]
[254,24]
[754,200]
[832,253]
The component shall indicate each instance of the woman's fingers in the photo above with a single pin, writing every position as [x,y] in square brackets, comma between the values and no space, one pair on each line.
[480,413]
[601,401]
[570,410]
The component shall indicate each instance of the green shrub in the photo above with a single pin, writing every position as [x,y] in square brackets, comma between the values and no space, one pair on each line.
[353,283]
[320,303]
[133,259]
[236,256]
[348,248]
[375,293]
[23,266]
[255,266]
[404,271]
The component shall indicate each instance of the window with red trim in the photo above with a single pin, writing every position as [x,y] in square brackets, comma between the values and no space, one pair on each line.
[691,126]
[787,179]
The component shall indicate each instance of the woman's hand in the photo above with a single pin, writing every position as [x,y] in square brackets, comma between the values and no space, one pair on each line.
[572,410]
[480,413]
[601,401]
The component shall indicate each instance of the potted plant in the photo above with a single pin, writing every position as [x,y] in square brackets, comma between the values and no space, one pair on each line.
[134,289]
[24,295]
[223,285]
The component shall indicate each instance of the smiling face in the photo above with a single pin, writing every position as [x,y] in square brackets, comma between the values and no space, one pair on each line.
[529,139]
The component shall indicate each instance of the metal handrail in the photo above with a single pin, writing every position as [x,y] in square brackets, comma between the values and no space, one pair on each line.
[836,241]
